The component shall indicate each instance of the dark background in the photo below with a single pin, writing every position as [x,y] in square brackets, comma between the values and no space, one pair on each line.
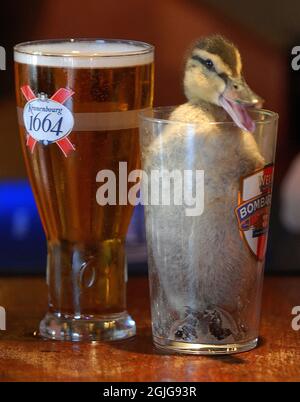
[264,31]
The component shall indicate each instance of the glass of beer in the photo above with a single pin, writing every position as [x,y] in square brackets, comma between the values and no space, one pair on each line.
[78,102]
[207,190]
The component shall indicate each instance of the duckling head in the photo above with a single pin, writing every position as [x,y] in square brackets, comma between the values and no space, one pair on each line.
[213,74]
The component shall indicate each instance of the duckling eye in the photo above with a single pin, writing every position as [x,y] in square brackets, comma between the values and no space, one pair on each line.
[206,62]
[209,64]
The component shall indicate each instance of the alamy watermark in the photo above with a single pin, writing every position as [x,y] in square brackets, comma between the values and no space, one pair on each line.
[2,319]
[2,58]
[2,309]
[160,187]
[296,319]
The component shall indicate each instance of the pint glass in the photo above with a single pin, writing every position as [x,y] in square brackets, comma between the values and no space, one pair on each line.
[207,191]
[77,103]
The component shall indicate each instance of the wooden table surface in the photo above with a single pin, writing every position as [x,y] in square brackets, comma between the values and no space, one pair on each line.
[25,357]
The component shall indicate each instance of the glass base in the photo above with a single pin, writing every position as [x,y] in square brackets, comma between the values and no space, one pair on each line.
[87,328]
[170,346]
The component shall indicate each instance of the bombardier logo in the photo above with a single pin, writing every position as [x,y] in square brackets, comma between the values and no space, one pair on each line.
[253,210]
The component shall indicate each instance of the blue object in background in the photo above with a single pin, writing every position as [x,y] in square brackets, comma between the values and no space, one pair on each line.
[22,241]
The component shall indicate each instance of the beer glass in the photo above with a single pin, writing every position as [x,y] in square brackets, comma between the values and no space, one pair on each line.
[77,104]
[207,194]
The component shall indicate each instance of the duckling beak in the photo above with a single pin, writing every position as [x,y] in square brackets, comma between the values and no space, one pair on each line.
[236,99]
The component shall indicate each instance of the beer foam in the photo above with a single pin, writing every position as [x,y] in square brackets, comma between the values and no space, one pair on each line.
[84,53]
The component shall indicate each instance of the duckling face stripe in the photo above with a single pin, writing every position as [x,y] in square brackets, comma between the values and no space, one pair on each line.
[206,62]
[224,49]
[219,66]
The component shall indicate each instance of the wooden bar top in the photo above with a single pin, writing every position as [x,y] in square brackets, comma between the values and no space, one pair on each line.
[25,357]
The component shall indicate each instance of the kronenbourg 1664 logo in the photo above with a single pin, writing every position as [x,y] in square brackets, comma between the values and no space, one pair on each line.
[47,120]
[253,211]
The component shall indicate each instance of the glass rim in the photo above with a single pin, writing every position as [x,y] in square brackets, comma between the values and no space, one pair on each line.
[145,115]
[21,47]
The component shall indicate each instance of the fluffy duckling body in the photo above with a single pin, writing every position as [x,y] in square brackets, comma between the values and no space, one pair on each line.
[207,276]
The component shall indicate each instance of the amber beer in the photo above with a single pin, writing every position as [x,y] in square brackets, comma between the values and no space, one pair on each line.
[78,103]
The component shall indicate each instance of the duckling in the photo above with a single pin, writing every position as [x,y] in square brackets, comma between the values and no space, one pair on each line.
[205,278]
